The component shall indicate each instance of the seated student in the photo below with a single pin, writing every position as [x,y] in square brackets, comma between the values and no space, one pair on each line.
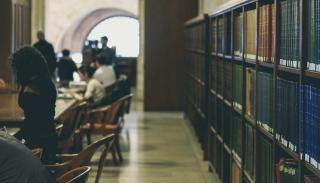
[122,87]
[66,66]
[18,164]
[105,72]
[94,90]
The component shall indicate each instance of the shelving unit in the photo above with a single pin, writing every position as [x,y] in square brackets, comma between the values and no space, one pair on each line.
[226,62]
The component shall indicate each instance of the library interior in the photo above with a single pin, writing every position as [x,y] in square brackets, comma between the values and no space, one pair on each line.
[137,91]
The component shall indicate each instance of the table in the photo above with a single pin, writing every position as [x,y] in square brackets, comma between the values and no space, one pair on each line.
[12,116]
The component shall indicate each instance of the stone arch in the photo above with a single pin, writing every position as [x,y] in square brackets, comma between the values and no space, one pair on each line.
[75,35]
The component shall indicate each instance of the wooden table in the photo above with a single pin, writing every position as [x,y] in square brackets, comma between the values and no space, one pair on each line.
[12,116]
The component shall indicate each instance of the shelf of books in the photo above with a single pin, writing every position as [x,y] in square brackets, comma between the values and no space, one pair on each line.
[258,85]
[196,78]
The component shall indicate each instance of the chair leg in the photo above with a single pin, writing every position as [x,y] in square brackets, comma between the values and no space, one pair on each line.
[88,134]
[114,155]
[117,145]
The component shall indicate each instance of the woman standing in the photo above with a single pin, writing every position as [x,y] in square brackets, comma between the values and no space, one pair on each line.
[37,97]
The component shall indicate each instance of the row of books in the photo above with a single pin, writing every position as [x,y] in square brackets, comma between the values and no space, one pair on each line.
[310,102]
[265,100]
[222,31]
[313,35]
[290,34]
[266,33]
[195,37]
[288,113]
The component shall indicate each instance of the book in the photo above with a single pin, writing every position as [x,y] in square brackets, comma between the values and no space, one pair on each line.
[250,34]
[236,173]
[290,53]
[287,171]
[265,100]
[227,77]
[265,166]
[220,44]
[238,34]
[266,33]
[226,167]
[213,35]
[237,86]
[288,113]
[250,91]
[237,135]
[249,148]
[310,102]
[227,120]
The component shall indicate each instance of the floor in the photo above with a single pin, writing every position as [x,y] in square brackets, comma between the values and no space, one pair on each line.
[157,147]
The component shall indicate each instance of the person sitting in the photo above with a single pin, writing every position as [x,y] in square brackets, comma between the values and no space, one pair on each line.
[105,72]
[94,90]
[66,67]
[19,164]
[121,88]
[37,99]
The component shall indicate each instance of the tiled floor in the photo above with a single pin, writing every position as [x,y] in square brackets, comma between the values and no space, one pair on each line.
[157,147]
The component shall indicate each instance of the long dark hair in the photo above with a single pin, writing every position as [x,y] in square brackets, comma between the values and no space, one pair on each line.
[28,64]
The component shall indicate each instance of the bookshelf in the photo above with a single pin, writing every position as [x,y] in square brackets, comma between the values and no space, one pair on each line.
[196,78]
[261,90]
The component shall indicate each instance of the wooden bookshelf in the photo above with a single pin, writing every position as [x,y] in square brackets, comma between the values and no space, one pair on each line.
[224,52]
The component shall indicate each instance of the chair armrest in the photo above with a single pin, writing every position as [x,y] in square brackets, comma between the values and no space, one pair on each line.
[65,157]
[100,109]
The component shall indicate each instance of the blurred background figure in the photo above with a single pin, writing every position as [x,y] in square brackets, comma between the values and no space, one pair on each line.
[66,67]
[105,73]
[87,53]
[47,51]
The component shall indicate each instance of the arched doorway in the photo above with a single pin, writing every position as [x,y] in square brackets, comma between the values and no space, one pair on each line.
[123,34]
[74,37]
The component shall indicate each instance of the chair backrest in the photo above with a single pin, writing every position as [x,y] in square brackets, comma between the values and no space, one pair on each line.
[84,157]
[76,115]
[115,108]
[77,175]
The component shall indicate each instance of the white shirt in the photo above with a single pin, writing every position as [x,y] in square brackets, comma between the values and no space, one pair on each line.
[106,75]
[94,90]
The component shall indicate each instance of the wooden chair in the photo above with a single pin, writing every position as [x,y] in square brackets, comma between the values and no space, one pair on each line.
[78,175]
[70,126]
[72,161]
[105,123]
